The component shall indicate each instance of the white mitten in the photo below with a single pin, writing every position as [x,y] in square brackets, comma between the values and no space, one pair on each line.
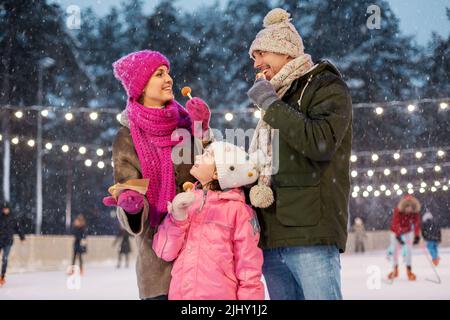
[180,204]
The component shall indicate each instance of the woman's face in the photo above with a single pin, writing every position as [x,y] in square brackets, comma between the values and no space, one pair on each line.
[204,168]
[158,90]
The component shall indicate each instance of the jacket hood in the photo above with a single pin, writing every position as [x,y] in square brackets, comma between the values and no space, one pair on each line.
[325,64]
[409,200]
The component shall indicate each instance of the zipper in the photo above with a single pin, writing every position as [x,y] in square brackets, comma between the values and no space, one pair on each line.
[303,91]
[205,191]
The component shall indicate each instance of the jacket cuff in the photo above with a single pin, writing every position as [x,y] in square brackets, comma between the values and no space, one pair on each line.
[136,227]
[179,223]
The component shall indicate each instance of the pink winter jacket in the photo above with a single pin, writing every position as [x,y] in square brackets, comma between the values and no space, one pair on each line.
[216,249]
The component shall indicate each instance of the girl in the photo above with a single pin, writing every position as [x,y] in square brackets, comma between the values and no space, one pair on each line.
[144,173]
[211,233]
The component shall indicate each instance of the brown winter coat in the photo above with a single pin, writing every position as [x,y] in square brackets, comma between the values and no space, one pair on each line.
[153,273]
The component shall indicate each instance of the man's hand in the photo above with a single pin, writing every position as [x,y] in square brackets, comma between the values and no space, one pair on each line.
[262,93]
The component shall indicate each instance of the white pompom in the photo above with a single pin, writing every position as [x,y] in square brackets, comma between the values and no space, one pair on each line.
[276,15]
[261,196]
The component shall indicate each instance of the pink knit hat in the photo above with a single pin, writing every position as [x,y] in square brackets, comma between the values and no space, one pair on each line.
[135,69]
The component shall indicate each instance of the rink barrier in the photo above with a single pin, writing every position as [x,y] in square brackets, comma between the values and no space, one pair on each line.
[50,252]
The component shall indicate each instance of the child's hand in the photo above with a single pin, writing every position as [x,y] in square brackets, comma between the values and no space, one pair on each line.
[180,204]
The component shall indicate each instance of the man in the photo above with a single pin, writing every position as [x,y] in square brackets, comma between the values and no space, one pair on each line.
[305,229]
[8,226]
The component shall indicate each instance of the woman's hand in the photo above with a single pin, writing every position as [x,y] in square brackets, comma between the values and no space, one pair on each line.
[180,204]
[130,201]
[198,112]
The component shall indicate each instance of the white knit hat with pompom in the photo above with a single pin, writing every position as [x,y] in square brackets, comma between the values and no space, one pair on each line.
[279,35]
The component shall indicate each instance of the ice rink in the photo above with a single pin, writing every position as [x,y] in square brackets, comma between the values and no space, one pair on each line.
[363,277]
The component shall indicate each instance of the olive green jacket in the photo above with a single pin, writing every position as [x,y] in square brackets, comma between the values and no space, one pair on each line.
[312,184]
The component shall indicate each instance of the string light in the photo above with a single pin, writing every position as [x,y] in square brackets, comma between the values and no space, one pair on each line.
[100,152]
[387,172]
[419,155]
[100,164]
[82,150]
[68,116]
[375,157]
[229,116]
[411,108]
[353,158]
[257,114]
[379,111]
[437,168]
[48,146]
[93,116]
[354,173]
[44,113]
[443,105]
[370,173]
[65,148]
[31,143]
[88,162]
[420,170]
[403,171]
[18,114]
[15,140]
[440,153]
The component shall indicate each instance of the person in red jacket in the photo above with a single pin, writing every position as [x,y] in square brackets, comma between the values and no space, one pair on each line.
[406,222]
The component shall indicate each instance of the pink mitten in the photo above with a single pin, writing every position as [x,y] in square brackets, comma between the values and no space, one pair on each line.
[129,200]
[199,112]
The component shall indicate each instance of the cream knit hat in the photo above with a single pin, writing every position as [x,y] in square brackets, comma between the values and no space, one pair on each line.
[235,167]
[278,35]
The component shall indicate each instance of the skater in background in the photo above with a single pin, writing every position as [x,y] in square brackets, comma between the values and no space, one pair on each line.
[79,245]
[125,248]
[431,233]
[405,222]
[8,226]
[360,235]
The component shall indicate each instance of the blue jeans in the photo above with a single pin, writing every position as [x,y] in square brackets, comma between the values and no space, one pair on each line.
[303,273]
[6,250]
[432,247]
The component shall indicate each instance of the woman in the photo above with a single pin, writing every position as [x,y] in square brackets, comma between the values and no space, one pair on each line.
[405,230]
[146,177]
[79,244]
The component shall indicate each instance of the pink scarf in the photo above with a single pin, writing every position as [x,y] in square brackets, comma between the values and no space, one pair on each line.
[151,131]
